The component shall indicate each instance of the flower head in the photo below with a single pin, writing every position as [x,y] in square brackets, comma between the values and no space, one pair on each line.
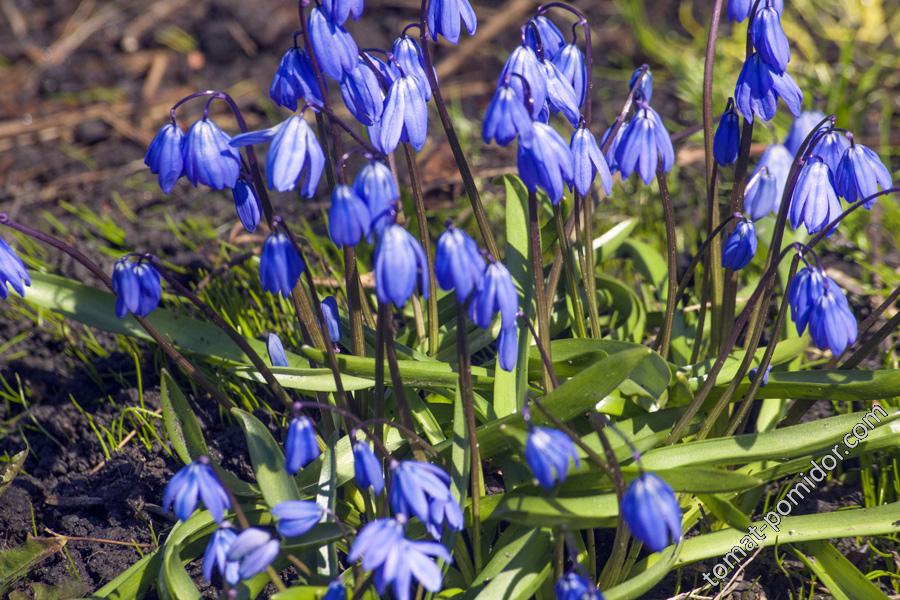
[814,203]
[444,17]
[336,591]
[561,97]
[777,160]
[645,146]
[651,511]
[192,481]
[831,322]
[800,128]
[280,266]
[458,264]
[496,294]
[552,39]
[411,62]
[215,558]
[506,117]
[573,586]
[376,185]
[545,161]
[400,266]
[740,248]
[137,287]
[803,293]
[420,489]
[165,156]
[727,140]
[860,173]
[645,92]
[830,148]
[295,80]
[589,161]
[548,453]
[571,64]
[332,318]
[738,10]
[610,153]
[333,46]
[349,220]
[246,204]
[254,550]
[300,446]
[759,87]
[275,348]
[362,93]
[367,468]
[769,38]
[12,271]
[761,195]
[523,63]
[508,348]
[338,11]
[296,517]
[208,157]
[405,115]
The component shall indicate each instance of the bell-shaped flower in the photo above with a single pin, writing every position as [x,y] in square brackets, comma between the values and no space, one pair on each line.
[446,17]
[754,372]
[13,272]
[295,80]
[560,95]
[275,349]
[830,148]
[300,445]
[645,146]
[645,91]
[367,468]
[814,203]
[332,318]
[545,161]
[610,153]
[573,586]
[400,266]
[254,550]
[860,173]
[348,218]
[165,156]
[193,481]
[296,517]
[458,265]
[280,266]
[410,61]
[727,141]
[552,39]
[246,204]
[588,161]
[506,117]
[651,511]
[801,128]
[759,87]
[803,293]
[376,186]
[496,294]
[831,322]
[738,10]
[215,558]
[362,93]
[508,348]
[137,287]
[208,156]
[416,487]
[761,195]
[769,39]
[777,160]
[740,247]
[334,47]
[405,115]
[548,453]
[523,63]
[336,591]
[570,62]
[338,11]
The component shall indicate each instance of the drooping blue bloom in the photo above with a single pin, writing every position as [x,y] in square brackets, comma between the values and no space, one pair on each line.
[415,488]
[295,80]
[275,348]
[570,62]
[765,376]
[645,92]
[645,146]
[860,173]
[610,153]
[208,156]
[561,97]
[367,468]
[215,557]
[815,202]
[254,550]
[333,45]
[497,294]
[777,160]
[444,17]
[411,62]
[332,319]
[831,147]
[651,511]
[444,512]
[759,88]
[388,72]
[506,117]
[294,155]
[831,322]
[300,446]
[589,161]
[336,591]
[165,156]
[246,204]
[727,141]
[376,185]
[552,39]
[769,39]
[296,517]
[362,93]
[548,453]
[761,195]
[740,247]
[136,286]
[800,128]
[573,586]
[348,218]
[194,480]
[545,161]
[405,115]
[338,11]
[804,292]
[280,266]
[738,10]
[458,265]
[524,63]
[508,348]
[400,266]
[12,271]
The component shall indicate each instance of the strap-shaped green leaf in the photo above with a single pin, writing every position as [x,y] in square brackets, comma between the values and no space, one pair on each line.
[267,460]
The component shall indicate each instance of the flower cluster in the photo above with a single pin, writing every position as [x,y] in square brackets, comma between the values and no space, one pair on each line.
[818,301]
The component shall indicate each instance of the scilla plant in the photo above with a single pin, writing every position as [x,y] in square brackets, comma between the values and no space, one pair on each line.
[593,448]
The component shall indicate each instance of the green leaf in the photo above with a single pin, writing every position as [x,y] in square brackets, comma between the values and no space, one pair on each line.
[16,562]
[835,385]
[843,580]
[308,380]
[637,585]
[577,512]
[134,582]
[517,569]
[608,244]
[267,459]
[11,468]
[647,260]
[180,422]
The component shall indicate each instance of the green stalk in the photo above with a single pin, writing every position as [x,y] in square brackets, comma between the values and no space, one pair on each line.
[537,267]
[571,274]
[665,335]
[465,388]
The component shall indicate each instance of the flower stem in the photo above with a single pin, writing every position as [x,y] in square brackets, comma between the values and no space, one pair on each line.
[465,389]
[579,324]
[537,267]
[665,334]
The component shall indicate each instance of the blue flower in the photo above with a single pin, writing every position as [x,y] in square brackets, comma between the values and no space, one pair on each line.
[506,117]
[458,264]
[589,161]
[294,155]
[524,63]
[496,294]
[444,18]
[610,153]
[645,146]
[831,147]
[338,11]
[400,266]
[759,88]
[215,557]
[246,204]
[362,93]
[332,318]
[405,115]
[651,511]
[296,517]
[422,490]
[333,46]
[800,128]
[348,218]
[367,468]
[548,453]
[12,271]
[561,95]
[570,62]
[769,39]
[137,287]
[280,266]
[300,446]
[508,348]
[761,195]
[165,156]
[860,173]
[192,481]
[573,586]
[552,39]
[295,80]
[727,141]
[803,293]
[275,348]
[738,10]
[740,248]
[777,160]
[546,161]
[444,512]
[208,156]
[814,202]
[409,59]
[645,92]
[831,322]
[765,376]
[376,185]
[254,550]
[336,591]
